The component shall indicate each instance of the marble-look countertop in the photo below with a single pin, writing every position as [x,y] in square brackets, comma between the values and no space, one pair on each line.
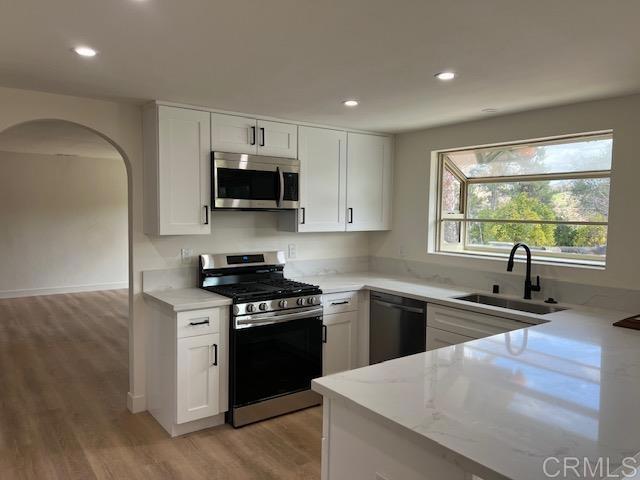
[182,299]
[568,386]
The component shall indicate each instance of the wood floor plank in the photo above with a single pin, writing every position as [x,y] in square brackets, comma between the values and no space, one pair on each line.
[63,384]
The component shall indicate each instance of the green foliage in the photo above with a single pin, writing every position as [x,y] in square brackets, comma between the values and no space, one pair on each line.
[521,207]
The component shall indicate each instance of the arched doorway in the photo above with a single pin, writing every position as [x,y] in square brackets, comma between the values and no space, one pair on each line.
[66,237]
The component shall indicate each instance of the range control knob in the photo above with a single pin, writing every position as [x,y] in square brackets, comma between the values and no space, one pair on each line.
[300,301]
[311,300]
[250,308]
[282,304]
[262,306]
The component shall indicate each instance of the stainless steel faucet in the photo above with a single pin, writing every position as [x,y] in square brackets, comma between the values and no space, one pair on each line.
[528,287]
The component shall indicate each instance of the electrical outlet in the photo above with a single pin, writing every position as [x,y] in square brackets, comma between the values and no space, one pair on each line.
[292,250]
[185,255]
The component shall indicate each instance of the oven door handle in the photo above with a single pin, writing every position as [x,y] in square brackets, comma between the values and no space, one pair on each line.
[260,319]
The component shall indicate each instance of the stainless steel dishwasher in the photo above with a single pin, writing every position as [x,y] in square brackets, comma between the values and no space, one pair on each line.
[397,327]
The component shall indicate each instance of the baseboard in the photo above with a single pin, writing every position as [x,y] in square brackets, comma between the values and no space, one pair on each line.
[33,292]
[136,403]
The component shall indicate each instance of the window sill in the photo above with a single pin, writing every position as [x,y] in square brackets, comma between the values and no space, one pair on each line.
[539,260]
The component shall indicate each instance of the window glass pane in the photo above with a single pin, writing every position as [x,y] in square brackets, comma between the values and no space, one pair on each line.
[451,188]
[576,200]
[542,238]
[451,232]
[575,155]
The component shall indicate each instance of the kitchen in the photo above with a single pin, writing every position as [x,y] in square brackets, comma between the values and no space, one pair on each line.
[345,207]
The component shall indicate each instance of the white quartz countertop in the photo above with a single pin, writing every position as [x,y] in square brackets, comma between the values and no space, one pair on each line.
[501,405]
[183,299]
[566,386]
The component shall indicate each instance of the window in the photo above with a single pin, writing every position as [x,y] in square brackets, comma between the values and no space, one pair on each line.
[552,195]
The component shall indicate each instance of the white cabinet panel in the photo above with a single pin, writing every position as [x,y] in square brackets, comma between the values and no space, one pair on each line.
[323,182]
[338,352]
[198,377]
[183,166]
[369,182]
[437,338]
[277,139]
[470,324]
[231,133]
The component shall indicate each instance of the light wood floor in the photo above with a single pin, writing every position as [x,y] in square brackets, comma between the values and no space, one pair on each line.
[63,385]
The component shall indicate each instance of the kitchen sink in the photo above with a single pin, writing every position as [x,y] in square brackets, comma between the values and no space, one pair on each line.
[510,304]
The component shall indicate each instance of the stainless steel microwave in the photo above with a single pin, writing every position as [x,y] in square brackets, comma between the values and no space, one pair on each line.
[254,182]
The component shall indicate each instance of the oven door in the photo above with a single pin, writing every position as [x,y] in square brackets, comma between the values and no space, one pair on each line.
[275,356]
[254,182]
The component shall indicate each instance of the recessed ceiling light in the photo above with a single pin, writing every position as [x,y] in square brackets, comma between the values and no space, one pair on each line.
[445,76]
[85,51]
[490,110]
[351,103]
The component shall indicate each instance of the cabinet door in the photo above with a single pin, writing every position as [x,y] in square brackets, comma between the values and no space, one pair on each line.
[198,377]
[369,172]
[323,180]
[277,139]
[230,133]
[338,352]
[439,338]
[184,149]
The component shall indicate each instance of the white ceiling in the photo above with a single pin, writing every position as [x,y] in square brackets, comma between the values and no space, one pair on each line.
[56,137]
[298,59]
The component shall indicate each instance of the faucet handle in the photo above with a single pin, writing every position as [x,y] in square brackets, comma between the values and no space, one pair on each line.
[536,287]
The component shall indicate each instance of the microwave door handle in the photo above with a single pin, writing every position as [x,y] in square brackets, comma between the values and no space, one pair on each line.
[280,187]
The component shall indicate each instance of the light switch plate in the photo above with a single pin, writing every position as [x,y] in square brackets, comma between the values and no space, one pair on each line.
[292,251]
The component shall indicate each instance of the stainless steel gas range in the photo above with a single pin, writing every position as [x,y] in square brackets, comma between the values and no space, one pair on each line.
[276,334]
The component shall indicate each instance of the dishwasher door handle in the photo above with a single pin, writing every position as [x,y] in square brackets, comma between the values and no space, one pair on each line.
[404,308]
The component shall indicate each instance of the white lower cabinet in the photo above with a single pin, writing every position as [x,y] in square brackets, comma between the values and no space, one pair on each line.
[338,351]
[439,338]
[198,377]
[340,321]
[187,368]
[451,326]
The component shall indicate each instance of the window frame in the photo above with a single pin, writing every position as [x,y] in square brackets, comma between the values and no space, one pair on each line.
[446,165]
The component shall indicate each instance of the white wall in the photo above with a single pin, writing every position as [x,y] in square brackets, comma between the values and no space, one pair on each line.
[408,238]
[121,123]
[64,224]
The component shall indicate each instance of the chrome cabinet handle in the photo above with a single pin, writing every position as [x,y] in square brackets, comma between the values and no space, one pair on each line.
[340,303]
[263,136]
[324,334]
[303,220]
[350,215]
[253,135]
[215,355]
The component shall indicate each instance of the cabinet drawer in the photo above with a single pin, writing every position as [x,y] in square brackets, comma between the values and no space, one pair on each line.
[340,302]
[198,322]
[439,339]
[470,324]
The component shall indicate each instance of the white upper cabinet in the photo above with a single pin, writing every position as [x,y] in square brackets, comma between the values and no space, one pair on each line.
[177,149]
[236,134]
[369,182]
[323,180]
[230,133]
[277,139]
